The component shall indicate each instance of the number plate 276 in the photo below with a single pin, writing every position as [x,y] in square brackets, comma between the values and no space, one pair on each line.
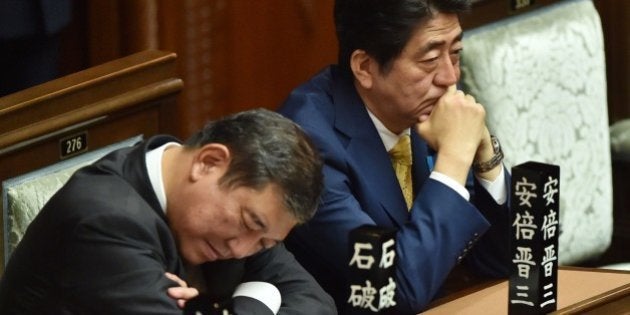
[72,145]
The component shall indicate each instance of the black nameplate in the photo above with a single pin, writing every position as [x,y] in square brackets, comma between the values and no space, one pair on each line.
[535,199]
[516,5]
[372,270]
[73,145]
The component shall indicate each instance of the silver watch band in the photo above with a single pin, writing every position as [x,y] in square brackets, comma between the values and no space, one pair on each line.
[497,158]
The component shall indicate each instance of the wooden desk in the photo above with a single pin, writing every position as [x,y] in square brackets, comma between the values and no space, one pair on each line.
[580,291]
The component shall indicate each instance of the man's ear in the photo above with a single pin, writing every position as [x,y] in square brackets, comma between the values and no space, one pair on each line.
[210,158]
[362,66]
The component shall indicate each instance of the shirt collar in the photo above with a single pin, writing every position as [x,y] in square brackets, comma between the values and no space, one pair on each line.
[389,138]
[154,168]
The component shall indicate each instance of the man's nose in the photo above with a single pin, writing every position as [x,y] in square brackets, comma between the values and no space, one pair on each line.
[447,72]
[245,244]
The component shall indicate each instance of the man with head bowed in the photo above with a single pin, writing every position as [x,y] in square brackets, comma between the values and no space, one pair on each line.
[121,234]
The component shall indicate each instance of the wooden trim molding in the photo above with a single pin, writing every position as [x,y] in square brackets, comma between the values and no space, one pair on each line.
[86,95]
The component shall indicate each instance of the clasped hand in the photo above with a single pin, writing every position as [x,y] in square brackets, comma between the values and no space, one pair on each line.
[456,129]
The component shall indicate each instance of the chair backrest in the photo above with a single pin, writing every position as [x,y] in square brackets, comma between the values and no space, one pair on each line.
[24,196]
[542,79]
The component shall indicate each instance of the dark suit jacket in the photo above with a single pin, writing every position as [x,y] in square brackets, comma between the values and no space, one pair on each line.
[101,245]
[361,188]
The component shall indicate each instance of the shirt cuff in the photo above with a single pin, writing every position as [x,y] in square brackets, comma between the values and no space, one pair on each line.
[496,188]
[453,184]
[264,292]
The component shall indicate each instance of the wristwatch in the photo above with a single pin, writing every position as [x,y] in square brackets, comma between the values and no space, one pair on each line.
[497,158]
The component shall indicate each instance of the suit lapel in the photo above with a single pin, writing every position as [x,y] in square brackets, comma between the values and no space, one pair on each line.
[365,150]
[420,168]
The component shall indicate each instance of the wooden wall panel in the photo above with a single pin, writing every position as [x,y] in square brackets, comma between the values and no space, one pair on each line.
[272,46]
[236,55]
[615,16]
[486,11]
[104,37]
[187,28]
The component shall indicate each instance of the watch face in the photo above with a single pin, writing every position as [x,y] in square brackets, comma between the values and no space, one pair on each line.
[495,144]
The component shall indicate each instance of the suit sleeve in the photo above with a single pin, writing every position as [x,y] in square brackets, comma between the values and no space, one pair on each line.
[299,290]
[114,265]
[490,256]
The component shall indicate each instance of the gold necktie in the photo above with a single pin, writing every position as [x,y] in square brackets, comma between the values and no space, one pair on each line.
[400,155]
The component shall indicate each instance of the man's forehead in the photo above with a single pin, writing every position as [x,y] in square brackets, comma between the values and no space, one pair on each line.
[437,31]
[439,23]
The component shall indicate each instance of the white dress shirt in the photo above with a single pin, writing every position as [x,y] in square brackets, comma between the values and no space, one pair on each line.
[154,168]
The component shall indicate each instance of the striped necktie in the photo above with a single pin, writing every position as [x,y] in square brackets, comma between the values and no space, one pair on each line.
[400,155]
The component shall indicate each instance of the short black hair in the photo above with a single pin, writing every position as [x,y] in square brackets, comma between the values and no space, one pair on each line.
[267,148]
[382,28]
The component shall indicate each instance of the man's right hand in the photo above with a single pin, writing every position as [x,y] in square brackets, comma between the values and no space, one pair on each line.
[455,130]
